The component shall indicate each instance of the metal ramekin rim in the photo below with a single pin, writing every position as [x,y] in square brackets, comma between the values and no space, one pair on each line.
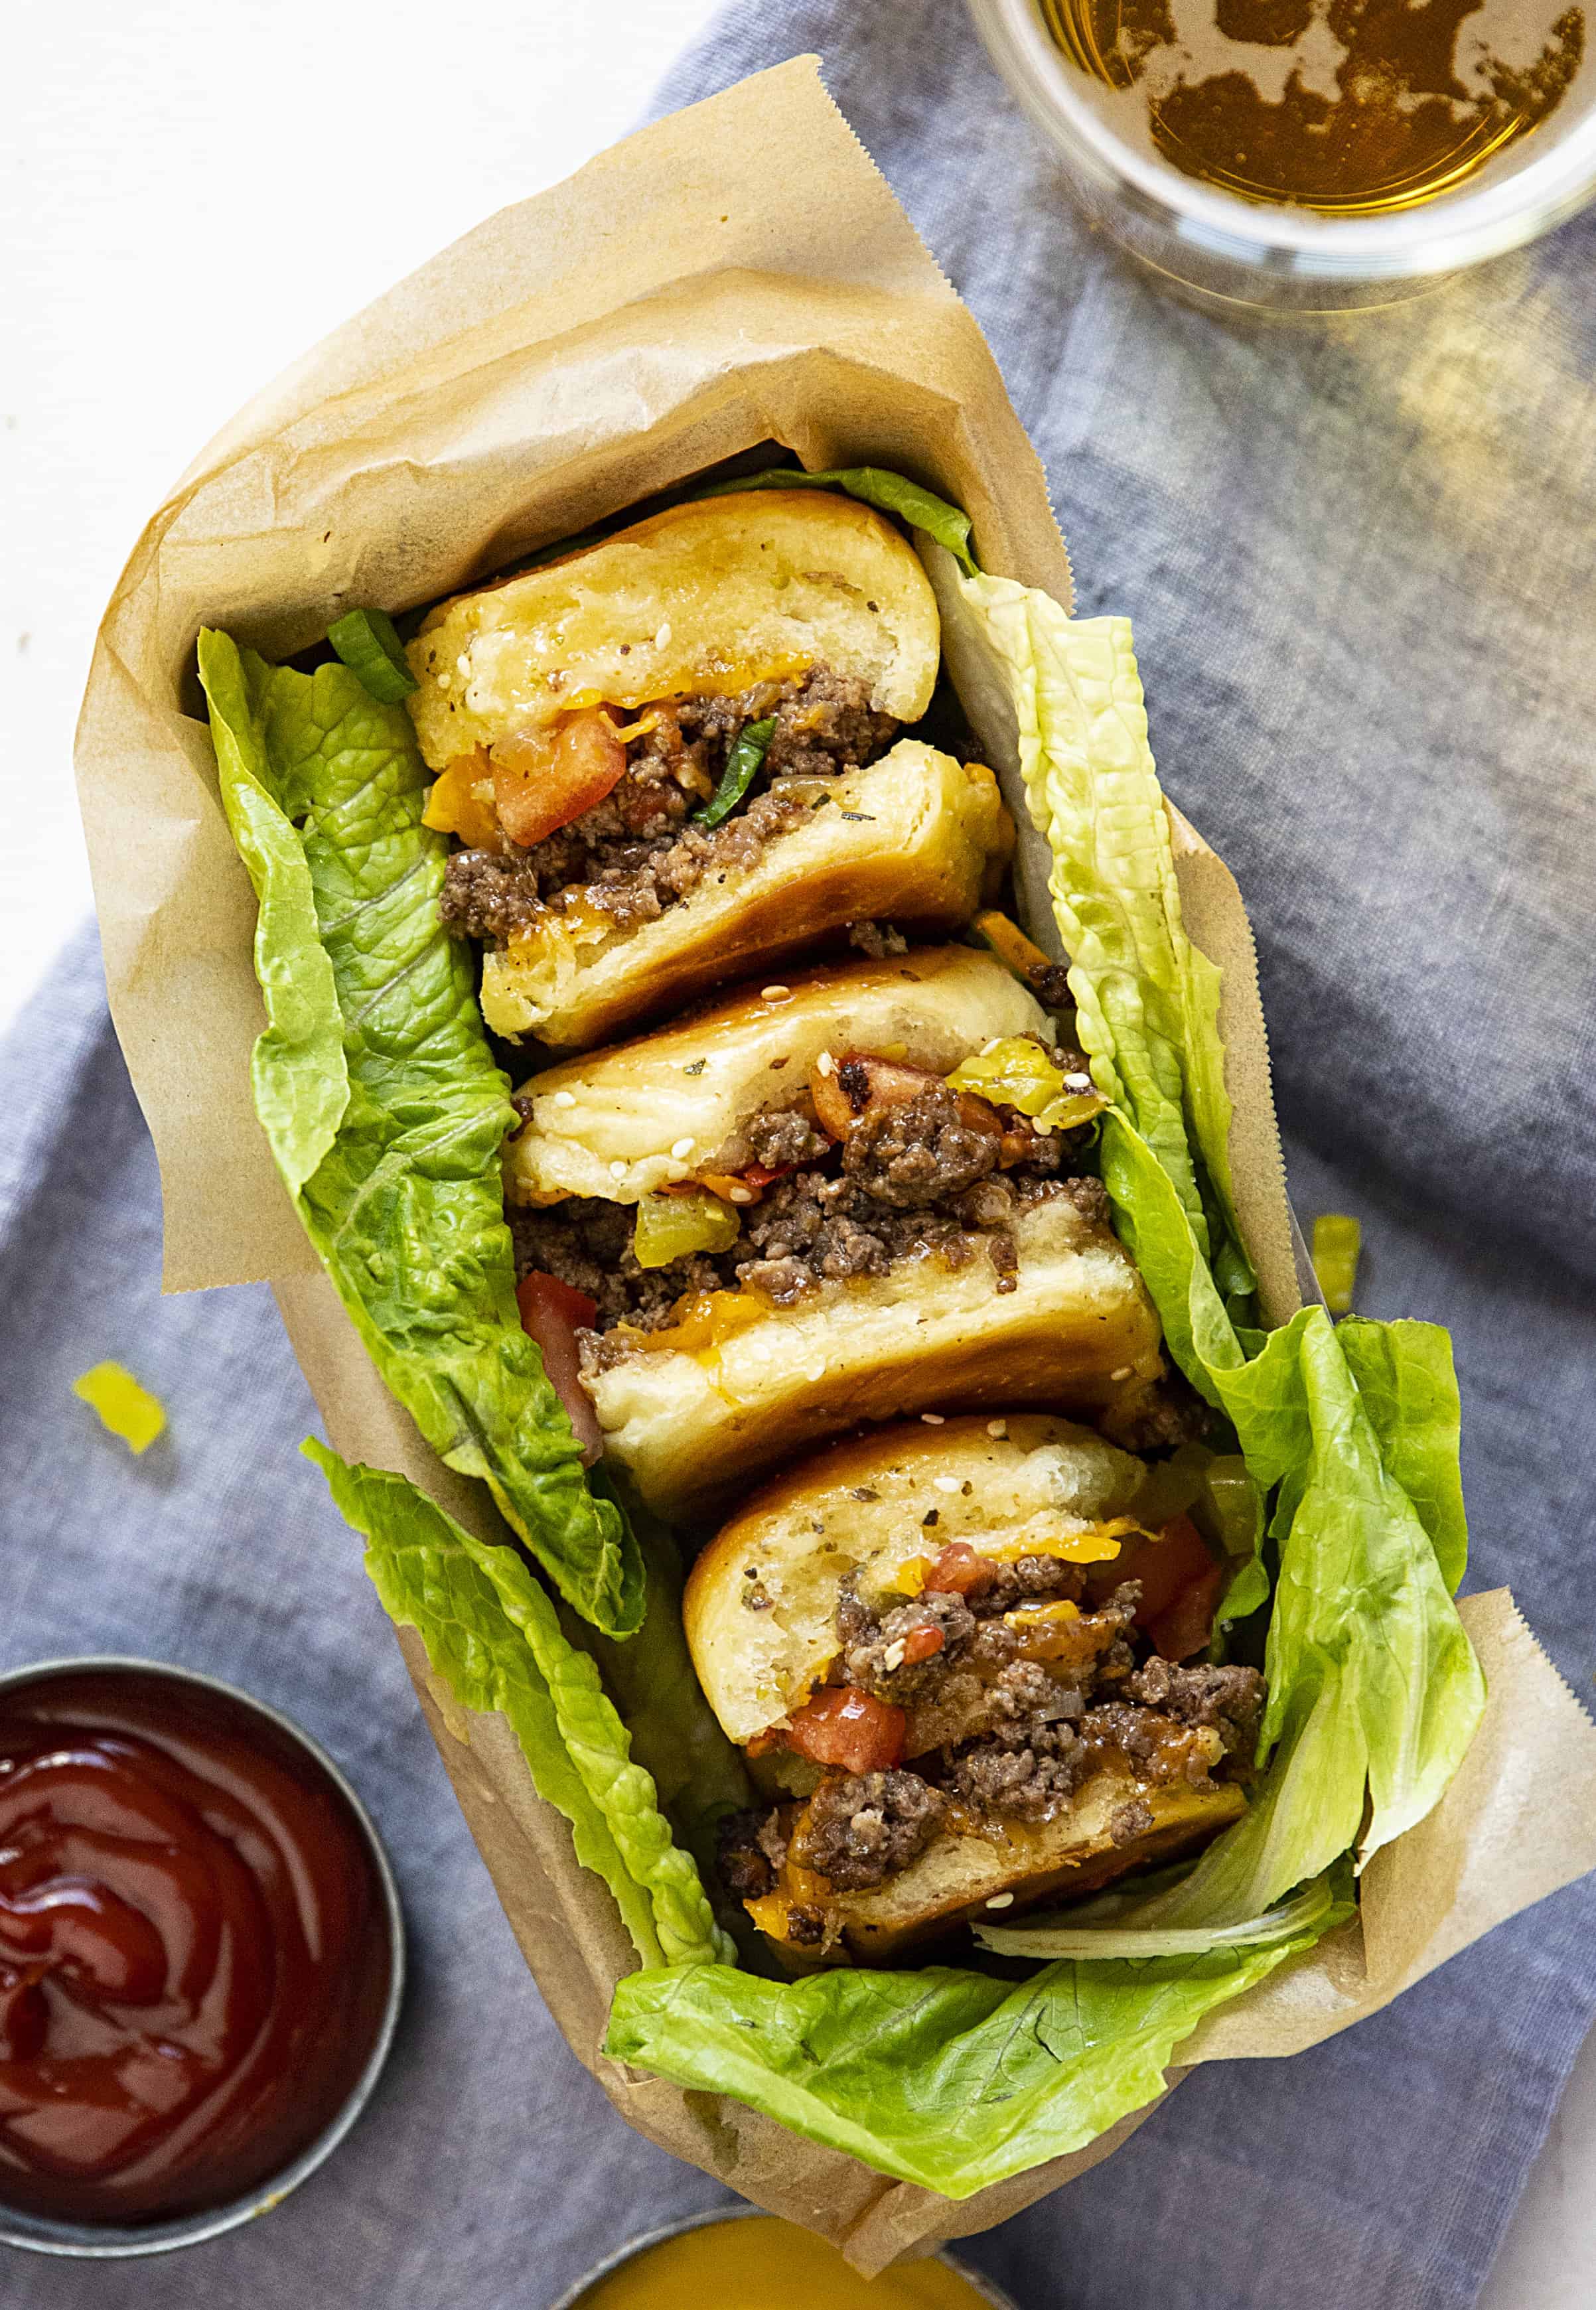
[106,2242]
[665,2231]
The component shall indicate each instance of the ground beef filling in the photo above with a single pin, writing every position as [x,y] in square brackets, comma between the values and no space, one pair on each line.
[913,1182]
[996,1736]
[636,855]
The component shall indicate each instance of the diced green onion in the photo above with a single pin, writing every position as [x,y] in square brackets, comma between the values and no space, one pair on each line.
[1337,1241]
[366,642]
[743,765]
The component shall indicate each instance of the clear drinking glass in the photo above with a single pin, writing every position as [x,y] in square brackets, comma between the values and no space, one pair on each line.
[1254,253]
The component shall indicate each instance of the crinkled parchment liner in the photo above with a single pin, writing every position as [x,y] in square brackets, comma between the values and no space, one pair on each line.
[675,303]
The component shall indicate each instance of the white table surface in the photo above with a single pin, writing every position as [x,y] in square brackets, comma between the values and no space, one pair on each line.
[233,180]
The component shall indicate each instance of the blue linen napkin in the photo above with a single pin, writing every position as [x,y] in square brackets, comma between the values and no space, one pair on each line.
[1356,555]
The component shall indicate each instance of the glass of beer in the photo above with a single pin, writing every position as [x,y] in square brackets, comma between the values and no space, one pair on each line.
[1314,154]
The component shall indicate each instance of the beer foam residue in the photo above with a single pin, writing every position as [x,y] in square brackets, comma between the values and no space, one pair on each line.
[1349,107]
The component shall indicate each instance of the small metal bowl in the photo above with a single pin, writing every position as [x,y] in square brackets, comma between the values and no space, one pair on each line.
[578,2293]
[109,2241]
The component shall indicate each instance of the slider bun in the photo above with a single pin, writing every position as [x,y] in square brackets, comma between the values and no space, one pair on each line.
[696,1411]
[1028,1493]
[705,599]
[631,1105]
[928,839]
[957,1877]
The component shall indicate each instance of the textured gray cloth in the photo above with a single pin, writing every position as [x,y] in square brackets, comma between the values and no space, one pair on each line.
[1357,556]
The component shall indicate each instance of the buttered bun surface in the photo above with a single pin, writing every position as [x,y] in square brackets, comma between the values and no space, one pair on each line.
[695,1411]
[649,1112]
[915,839]
[738,1383]
[706,599]
[867,1519]
[859,1513]
[963,1878]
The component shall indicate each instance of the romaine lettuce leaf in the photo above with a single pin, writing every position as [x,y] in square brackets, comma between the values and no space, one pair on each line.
[1373,1685]
[873,485]
[1408,1385]
[675,1734]
[299,1078]
[1148,1000]
[952,2079]
[1112,1926]
[494,1638]
[386,1113]
[1374,1688]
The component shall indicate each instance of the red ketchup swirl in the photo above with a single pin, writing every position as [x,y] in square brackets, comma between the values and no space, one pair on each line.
[193,1949]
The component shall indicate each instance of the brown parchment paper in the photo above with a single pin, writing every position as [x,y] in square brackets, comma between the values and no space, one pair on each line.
[673,304]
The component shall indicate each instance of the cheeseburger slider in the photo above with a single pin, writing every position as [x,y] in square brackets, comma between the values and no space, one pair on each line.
[670,759]
[842,1197]
[953,1658]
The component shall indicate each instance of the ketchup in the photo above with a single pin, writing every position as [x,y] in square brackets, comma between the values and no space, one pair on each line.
[193,1947]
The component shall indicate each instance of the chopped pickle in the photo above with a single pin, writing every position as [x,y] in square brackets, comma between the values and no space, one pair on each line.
[1170,1487]
[1016,1072]
[1337,1241]
[127,1409]
[674,1226]
[1236,1505]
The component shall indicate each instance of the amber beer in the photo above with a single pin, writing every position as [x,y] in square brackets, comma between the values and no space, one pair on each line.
[1350,108]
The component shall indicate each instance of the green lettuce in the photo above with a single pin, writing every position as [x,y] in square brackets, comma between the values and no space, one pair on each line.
[950,2079]
[1374,1691]
[1148,1000]
[297,1072]
[385,1111]
[873,485]
[1408,1382]
[675,1734]
[494,1638]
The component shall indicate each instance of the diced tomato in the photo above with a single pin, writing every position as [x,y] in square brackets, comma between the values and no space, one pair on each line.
[1164,1566]
[854,1729]
[544,778]
[760,1175]
[552,1313]
[1185,1627]
[958,1571]
[1180,1586]
[919,1646]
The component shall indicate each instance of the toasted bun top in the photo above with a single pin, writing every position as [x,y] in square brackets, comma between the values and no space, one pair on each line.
[705,599]
[608,1124]
[858,1511]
